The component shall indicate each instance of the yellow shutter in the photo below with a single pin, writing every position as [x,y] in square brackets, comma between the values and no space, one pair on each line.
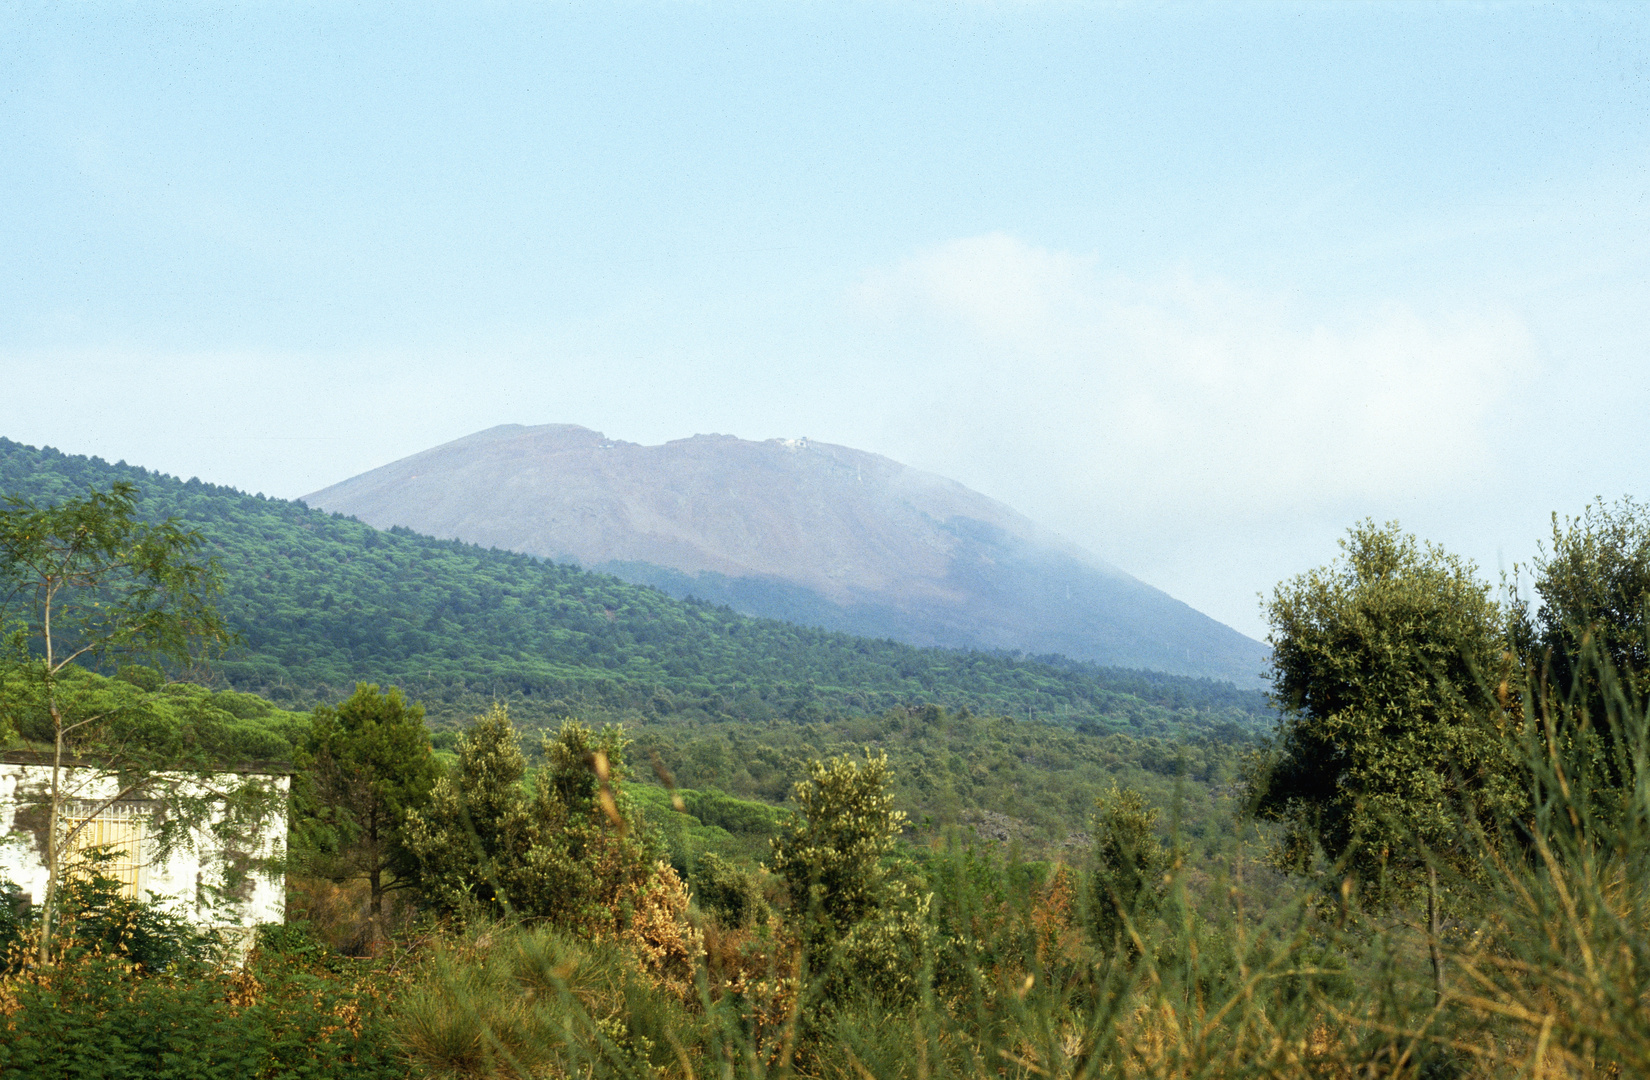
[120,830]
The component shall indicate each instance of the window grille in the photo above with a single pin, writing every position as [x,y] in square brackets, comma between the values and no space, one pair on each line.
[120,830]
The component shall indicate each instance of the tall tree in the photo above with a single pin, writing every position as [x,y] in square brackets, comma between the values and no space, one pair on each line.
[370,766]
[573,849]
[1387,668]
[1587,640]
[87,582]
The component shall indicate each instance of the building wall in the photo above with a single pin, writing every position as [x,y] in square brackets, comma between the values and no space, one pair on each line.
[182,880]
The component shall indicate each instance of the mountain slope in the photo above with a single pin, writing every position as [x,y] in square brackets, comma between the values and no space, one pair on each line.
[322,601]
[808,532]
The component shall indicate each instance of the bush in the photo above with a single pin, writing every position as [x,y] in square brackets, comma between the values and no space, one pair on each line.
[94,917]
[1129,860]
[99,1016]
[732,893]
[574,851]
[511,1001]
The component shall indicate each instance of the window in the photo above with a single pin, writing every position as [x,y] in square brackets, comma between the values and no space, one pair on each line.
[119,830]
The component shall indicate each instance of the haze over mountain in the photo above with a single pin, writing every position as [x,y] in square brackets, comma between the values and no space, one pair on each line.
[798,530]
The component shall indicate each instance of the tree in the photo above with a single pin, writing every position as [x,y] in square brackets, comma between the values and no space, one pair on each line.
[1129,864]
[575,850]
[476,819]
[1387,667]
[1594,588]
[1587,639]
[370,766]
[87,583]
[856,919]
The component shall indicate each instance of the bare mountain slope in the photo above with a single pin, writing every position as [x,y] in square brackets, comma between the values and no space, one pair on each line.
[796,530]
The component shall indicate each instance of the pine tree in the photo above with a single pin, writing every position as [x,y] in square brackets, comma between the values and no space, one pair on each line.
[370,766]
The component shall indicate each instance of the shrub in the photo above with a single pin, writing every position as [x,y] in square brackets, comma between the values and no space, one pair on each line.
[1127,883]
[98,1015]
[733,893]
[863,929]
[576,851]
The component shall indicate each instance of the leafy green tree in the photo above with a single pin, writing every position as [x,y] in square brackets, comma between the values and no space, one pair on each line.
[1387,668]
[1586,641]
[476,819]
[860,923]
[832,855]
[1594,587]
[590,854]
[574,850]
[86,582]
[1130,860]
[370,765]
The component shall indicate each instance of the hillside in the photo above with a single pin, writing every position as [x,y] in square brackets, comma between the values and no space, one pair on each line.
[322,601]
[803,531]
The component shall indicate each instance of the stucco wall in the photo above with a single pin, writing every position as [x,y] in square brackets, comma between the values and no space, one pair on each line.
[182,878]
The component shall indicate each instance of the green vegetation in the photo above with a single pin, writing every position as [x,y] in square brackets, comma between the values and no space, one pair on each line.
[574,850]
[85,581]
[1391,666]
[282,1016]
[1586,642]
[1127,883]
[180,719]
[1000,969]
[710,825]
[322,603]
[367,763]
[861,926]
[1030,784]
[1435,868]
[1593,587]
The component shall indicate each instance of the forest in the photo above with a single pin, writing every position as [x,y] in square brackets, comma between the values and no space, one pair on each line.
[320,602]
[1431,863]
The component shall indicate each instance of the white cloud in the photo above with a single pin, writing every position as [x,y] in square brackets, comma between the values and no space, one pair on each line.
[1195,389]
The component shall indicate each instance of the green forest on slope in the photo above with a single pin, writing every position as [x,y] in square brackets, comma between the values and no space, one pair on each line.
[321,602]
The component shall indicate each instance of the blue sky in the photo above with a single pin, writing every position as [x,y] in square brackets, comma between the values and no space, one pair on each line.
[1196,285]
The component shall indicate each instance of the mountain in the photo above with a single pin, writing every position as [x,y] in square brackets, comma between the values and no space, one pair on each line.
[803,531]
[321,602]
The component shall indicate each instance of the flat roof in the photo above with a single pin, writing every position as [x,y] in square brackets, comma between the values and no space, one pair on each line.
[253,768]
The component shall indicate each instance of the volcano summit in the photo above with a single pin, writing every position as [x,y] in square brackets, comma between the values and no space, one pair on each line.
[797,530]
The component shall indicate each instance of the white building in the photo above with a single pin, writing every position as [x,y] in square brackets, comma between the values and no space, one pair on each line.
[189,879]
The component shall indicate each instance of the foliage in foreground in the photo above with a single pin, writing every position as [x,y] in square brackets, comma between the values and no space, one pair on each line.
[1129,964]
[1387,668]
[1544,976]
[98,1016]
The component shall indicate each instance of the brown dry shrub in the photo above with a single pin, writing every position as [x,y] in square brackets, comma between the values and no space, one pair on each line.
[1054,918]
[658,931]
[757,968]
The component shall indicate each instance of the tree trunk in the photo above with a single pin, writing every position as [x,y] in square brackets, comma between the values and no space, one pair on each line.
[1433,930]
[48,907]
[375,913]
